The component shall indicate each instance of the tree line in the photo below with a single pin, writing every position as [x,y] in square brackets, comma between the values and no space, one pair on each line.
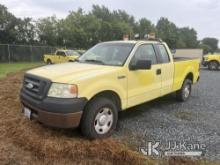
[84,29]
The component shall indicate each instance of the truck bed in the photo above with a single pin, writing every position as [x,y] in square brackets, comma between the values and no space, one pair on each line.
[183,66]
[176,59]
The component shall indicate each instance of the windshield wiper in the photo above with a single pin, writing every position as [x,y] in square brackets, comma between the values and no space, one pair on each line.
[95,61]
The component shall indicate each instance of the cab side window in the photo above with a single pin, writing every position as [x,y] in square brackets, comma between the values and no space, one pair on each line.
[145,52]
[163,53]
[60,53]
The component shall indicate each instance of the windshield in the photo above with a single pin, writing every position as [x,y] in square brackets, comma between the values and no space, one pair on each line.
[114,54]
[72,52]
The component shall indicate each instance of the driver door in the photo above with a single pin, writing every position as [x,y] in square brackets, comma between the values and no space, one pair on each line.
[144,85]
[62,57]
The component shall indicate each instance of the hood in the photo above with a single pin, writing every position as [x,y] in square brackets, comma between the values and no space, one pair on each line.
[73,57]
[212,55]
[68,72]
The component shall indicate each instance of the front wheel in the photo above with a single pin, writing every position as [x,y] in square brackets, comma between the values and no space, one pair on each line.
[49,62]
[184,93]
[99,118]
[213,65]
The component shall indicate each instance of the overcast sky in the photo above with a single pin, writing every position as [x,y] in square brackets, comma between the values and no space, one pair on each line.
[202,15]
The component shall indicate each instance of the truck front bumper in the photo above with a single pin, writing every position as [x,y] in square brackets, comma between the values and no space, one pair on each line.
[55,112]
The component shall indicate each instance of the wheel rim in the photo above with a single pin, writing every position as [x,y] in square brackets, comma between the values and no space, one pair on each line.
[103,120]
[187,91]
[213,65]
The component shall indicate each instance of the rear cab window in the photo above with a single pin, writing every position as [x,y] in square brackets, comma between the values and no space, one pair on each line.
[162,51]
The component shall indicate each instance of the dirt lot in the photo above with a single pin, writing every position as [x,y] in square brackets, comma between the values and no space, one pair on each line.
[22,141]
[25,142]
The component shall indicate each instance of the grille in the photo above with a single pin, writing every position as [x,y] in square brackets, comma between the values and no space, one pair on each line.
[36,87]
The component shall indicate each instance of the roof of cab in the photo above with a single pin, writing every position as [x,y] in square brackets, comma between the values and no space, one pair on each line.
[65,50]
[133,41]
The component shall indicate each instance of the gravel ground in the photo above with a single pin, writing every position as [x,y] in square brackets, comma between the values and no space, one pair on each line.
[165,119]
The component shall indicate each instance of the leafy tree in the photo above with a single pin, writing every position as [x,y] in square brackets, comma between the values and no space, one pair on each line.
[113,24]
[145,27]
[26,32]
[47,30]
[8,24]
[206,49]
[212,43]
[83,30]
[188,37]
[167,31]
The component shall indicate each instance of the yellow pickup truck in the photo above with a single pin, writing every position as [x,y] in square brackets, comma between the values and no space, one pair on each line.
[212,61]
[61,56]
[109,78]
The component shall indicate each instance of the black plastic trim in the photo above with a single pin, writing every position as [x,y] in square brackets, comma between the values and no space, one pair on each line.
[44,85]
[55,105]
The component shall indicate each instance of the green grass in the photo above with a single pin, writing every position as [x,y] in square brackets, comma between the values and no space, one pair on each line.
[6,68]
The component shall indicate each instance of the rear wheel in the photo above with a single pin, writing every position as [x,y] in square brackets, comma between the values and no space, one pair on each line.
[184,93]
[49,62]
[213,65]
[99,118]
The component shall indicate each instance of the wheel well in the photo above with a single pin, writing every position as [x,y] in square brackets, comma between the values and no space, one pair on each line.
[110,95]
[189,76]
[214,61]
[48,59]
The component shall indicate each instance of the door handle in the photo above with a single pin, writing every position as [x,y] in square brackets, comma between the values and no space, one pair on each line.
[158,72]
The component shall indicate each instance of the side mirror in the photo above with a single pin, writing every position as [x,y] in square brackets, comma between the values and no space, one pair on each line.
[141,65]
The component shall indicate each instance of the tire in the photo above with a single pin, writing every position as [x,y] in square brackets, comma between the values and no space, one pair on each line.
[184,93]
[49,62]
[99,118]
[213,65]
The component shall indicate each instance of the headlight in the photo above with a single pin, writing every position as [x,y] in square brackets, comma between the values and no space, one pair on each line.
[63,90]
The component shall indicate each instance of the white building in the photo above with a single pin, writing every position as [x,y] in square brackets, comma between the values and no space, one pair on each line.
[191,53]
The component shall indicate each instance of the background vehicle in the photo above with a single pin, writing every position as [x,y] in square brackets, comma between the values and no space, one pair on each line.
[61,56]
[212,61]
[108,78]
[81,52]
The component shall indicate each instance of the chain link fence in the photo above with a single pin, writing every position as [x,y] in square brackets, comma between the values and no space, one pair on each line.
[24,53]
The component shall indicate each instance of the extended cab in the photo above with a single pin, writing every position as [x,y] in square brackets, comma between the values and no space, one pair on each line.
[212,61]
[108,78]
[61,56]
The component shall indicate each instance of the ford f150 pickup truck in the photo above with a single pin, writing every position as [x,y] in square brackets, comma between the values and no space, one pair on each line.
[212,61]
[61,56]
[109,78]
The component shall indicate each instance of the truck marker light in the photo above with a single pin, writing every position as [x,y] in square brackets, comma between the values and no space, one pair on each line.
[73,89]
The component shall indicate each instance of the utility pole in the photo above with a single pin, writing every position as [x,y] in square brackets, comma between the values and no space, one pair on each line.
[31,49]
[9,54]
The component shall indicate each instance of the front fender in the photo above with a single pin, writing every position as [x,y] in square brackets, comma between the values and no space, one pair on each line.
[92,89]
